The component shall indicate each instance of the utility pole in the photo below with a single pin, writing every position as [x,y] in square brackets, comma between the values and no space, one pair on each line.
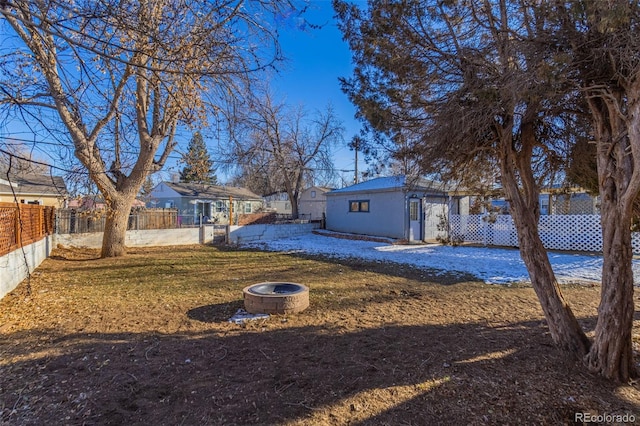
[356,145]
[355,178]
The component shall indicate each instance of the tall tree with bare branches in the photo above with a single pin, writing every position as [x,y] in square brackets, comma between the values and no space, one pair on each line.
[286,146]
[122,77]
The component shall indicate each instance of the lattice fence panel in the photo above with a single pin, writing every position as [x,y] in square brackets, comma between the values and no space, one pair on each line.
[571,232]
[558,232]
[466,228]
[635,242]
[487,230]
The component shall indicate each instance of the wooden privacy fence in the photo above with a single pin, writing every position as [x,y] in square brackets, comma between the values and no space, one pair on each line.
[23,224]
[71,221]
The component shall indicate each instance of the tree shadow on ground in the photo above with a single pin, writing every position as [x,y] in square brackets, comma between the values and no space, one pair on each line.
[469,373]
[218,312]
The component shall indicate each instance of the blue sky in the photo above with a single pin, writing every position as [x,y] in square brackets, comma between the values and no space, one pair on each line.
[316,59]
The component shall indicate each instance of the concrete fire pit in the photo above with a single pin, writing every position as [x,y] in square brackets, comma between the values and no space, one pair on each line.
[276,298]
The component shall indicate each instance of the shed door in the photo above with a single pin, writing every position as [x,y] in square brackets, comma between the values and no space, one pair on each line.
[415,224]
[435,212]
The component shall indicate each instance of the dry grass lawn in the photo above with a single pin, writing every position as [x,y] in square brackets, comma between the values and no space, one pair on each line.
[144,340]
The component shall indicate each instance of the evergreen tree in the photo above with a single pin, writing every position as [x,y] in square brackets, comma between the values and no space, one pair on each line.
[198,166]
[146,189]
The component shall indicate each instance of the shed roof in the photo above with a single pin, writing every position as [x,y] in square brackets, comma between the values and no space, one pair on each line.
[399,182]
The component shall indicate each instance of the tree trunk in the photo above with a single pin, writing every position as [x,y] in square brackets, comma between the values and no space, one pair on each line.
[611,354]
[115,229]
[522,190]
[294,209]
[565,330]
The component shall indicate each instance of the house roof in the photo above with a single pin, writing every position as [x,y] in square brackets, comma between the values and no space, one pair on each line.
[33,185]
[322,189]
[211,191]
[400,182]
[95,201]
[277,196]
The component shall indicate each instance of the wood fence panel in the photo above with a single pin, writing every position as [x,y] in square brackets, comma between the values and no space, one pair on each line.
[70,221]
[23,224]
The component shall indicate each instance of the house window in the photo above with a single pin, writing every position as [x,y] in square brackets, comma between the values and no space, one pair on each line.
[359,206]
[544,206]
[169,204]
[247,207]
[219,206]
[203,208]
[313,194]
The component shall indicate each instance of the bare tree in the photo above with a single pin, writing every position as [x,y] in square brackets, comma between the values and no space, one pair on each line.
[18,159]
[286,147]
[121,78]
[462,77]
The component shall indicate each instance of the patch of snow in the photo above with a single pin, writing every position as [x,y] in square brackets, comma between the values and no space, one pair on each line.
[242,316]
[488,264]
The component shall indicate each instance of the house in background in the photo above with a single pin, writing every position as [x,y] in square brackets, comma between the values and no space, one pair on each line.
[278,202]
[568,202]
[396,207]
[312,203]
[43,190]
[96,202]
[211,202]
[554,201]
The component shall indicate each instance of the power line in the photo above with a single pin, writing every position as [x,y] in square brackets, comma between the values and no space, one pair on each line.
[87,173]
[171,156]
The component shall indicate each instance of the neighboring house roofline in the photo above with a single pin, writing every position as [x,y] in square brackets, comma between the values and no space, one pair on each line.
[198,190]
[322,189]
[34,185]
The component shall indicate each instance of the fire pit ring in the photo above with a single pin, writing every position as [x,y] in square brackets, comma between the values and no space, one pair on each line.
[276,298]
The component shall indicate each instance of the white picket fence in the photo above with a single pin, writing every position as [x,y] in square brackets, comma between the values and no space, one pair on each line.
[558,232]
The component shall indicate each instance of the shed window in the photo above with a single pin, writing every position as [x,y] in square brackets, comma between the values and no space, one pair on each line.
[359,206]
[313,194]
[413,210]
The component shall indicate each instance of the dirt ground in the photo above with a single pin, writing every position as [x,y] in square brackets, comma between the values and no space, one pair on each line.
[144,340]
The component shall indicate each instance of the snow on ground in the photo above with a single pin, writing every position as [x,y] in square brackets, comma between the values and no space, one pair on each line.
[491,265]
